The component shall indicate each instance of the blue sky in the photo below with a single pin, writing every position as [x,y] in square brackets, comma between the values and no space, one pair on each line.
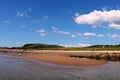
[69,23]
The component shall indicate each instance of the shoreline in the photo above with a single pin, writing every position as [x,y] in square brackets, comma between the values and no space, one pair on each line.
[63,57]
[59,57]
[22,50]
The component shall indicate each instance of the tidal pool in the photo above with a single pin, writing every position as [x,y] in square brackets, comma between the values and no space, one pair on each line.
[25,69]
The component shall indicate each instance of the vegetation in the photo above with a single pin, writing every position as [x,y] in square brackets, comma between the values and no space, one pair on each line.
[4,48]
[57,47]
[97,48]
[106,56]
[41,46]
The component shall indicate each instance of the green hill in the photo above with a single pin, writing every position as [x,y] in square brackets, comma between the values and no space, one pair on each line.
[41,46]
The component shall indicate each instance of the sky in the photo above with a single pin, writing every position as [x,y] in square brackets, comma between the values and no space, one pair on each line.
[69,23]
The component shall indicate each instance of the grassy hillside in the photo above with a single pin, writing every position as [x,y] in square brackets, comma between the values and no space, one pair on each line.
[40,46]
[56,47]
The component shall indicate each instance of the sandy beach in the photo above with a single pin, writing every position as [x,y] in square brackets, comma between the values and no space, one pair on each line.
[65,59]
[60,57]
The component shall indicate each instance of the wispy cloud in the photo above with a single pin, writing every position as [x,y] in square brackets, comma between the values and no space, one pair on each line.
[45,17]
[74,36]
[36,21]
[24,13]
[29,9]
[60,31]
[54,28]
[7,21]
[23,26]
[76,14]
[63,32]
[99,17]
[100,35]
[105,8]
[87,34]
[75,45]
[115,26]
[79,35]
[113,35]
[42,32]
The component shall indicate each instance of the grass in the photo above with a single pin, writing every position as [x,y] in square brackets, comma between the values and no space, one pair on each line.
[106,56]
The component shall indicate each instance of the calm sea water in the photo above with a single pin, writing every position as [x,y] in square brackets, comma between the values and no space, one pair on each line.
[25,69]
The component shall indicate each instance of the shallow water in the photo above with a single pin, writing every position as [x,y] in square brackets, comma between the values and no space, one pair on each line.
[26,69]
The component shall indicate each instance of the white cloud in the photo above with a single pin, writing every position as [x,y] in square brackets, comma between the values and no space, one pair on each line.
[43,34]
[115,26]
[63,32]
[100,17]
[113,35]
[41,31]
[73,36]
[84,45]
[76,45]
[100,35]
[85,34]
[60,32]
[24,13]
[54,28]
[7,21]
[89,34]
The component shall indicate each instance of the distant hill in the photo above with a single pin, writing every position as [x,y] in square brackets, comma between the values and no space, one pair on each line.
[4,48]
[103,46]
[40,46]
